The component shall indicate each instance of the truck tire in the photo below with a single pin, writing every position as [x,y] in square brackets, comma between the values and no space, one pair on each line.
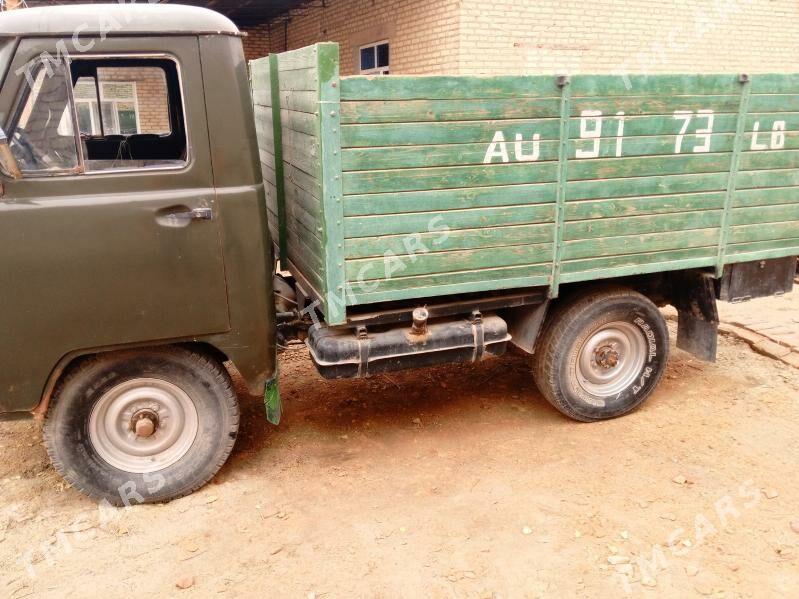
[142,426]
[601,354]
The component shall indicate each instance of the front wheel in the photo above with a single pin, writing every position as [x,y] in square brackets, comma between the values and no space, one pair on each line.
[602,354]
[142,426]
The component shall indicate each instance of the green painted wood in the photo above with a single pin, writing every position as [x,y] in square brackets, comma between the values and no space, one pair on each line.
[300,80]
[766,197]
[766,122]
[447,110]
[767,178]
[635,225]
[301,122]
[464,239]
[664,105]
[423,222]
[791,140]
[560,190]
[638,244]
[277,133]
[658,85]
[616,168]
[449,199]
[775,83]
[636,186]
[300,101]
[757,232]
[448,177]
[440,263]
[781,246]
[380,158]
[302,58]
[774,159]
[453,283]
[774,102]
[639,206]
[636,264]
[735,162]
[332,190]
[399,87]
[764,214]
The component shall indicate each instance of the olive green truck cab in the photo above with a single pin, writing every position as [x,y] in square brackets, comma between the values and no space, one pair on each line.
[171,216]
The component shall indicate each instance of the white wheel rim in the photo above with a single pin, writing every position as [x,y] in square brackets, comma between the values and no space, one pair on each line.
[169,431]
[611,358]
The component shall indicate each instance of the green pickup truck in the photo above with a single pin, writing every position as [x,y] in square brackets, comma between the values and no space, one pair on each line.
[172,217]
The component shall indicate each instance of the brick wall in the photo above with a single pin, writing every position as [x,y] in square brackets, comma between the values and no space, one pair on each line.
[151,95]
[551,36]
[548,36]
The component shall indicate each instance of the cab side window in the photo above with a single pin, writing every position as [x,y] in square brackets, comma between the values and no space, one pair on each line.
[96,115]
[39,141]
[129,113]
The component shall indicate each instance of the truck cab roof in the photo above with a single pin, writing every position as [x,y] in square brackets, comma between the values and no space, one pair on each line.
[114,20]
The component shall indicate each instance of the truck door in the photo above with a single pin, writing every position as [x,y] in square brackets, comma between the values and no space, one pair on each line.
[111,237]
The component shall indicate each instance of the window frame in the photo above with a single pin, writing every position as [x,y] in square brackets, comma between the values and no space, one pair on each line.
[386,70]
[80,170]
[92,103]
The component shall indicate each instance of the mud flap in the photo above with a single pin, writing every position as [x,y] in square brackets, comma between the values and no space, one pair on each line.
[272,401]
[694,296]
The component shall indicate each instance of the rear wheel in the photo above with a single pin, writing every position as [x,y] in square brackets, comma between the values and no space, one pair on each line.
[601,354]
[142,426]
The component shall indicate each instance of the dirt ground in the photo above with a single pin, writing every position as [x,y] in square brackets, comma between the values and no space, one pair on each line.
[459,481]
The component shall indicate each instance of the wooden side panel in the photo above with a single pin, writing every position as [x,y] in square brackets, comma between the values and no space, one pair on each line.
[261,87]
[655,173]
[297,86]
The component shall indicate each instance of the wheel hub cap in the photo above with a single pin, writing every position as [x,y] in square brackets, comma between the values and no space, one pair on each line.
[611,358]
[143,425]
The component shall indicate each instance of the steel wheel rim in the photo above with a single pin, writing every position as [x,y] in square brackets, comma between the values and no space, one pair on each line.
[611,358]
[113,431]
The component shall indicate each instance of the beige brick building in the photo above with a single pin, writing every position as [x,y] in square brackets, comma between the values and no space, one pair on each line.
[543,36]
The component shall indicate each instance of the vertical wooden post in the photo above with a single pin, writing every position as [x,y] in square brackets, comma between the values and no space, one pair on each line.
[277,133]
[560,200]
[729,198]
[332,184]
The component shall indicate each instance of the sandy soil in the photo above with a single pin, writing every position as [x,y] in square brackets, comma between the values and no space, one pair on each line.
[459,481]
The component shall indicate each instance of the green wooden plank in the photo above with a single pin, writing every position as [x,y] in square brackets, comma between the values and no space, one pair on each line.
[765,214]
[768,178]
[276,129]
[302,122]
[379,158]
[752,161]
[262,97]
[766,197]
[448,199]
[424,222]
[451,283]
[465,239]
[301,58]
[767,120]
[636,225]
[764,137]
[658,85]
[448,177]
[560,194]
[638,244]
[637,264]
[302,179]
[299,80]
[611,168]
[259,74]
[775,83]
[774,103]
[413,134]
[638,206]
[665,105]
[300,101]
[357,159]
[439,263]
[333,194]
[756,248]
[391,111]
[637,186]
[447,87]
[757,232]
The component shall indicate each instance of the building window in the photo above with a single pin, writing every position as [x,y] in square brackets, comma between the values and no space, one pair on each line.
[375,59]
[119,104]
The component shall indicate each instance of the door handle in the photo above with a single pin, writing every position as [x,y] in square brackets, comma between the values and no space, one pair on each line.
[181,216]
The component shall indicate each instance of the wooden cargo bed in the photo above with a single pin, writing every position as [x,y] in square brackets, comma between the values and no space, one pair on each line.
[398,187]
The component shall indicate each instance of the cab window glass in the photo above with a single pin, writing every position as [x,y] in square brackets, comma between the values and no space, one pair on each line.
[43,141]
[129,113]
